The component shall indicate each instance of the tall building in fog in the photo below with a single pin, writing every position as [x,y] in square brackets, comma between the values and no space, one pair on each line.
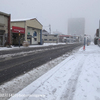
[76,27]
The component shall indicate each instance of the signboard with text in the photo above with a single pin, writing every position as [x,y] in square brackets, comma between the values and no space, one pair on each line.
[18,30]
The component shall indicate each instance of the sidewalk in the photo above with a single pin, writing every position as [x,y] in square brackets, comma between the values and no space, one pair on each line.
[76,78]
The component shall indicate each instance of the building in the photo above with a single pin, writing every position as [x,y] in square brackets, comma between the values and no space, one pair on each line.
[99,29]
[98,35]
[65,38]
[76,27]
[26,30]
[5,29]
[49,38]
[18,35]
[45,32]
[68,38]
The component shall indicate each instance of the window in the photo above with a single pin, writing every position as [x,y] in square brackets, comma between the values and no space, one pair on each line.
[54,39]
[35,33]
[50,39]
[35,39]
[45,35]
[45,39]
[55,35]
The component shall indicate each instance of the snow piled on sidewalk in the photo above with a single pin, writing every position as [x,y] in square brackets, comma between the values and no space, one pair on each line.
[88,87]
[75,78]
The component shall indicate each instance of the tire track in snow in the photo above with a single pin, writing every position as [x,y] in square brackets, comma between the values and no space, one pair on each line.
[69,90]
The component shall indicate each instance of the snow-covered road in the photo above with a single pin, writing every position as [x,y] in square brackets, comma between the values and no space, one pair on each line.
[9,56]
[75,78]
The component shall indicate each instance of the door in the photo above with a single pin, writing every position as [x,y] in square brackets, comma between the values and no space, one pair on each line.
[1,40]
[29,40]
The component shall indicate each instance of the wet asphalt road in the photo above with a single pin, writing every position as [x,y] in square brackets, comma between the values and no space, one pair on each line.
[21,64]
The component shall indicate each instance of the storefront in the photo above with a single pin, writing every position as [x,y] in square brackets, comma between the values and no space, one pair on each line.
[33,30]
[18,35]
[4,29]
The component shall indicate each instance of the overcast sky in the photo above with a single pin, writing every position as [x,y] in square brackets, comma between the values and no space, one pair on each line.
[55,12]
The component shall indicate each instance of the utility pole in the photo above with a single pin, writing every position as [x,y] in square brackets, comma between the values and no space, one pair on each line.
[50,28]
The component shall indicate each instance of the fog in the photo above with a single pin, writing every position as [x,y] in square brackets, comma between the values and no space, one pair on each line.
[55,12]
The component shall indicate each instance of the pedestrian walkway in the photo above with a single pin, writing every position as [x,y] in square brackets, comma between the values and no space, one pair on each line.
[75,78]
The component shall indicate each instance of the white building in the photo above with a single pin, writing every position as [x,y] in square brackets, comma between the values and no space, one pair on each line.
[49,38]
[33,30]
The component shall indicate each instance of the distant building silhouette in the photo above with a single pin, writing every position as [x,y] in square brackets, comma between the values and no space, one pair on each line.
[76,27]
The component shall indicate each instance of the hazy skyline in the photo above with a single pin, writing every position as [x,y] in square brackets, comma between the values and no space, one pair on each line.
[56,12]
[76,26]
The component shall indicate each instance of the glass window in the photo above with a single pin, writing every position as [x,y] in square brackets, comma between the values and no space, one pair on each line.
[54,39]
[45,39]
[55,35]
[50,39]
[35,39]
[35,33]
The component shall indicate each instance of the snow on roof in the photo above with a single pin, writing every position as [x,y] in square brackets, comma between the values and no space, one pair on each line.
[13,20]
[19,20]
[2,13]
